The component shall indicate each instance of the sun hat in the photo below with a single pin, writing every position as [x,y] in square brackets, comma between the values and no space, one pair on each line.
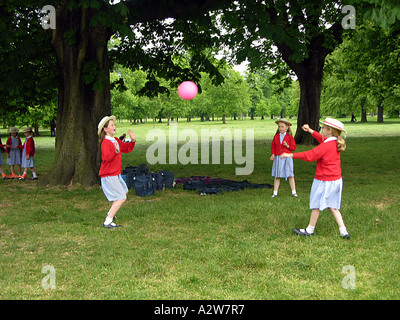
[284,121]
[27,129]
[13,130]
[333,123]
[103,122]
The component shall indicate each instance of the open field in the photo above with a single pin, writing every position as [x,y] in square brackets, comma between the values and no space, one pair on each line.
[236,245]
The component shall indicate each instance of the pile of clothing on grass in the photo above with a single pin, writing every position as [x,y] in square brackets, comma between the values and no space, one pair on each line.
[206,185]
[146,183]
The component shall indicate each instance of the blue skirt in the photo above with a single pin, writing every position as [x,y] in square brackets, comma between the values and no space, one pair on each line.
[326,194]
[27,163]
[282,168]
[114,188]
[15,157]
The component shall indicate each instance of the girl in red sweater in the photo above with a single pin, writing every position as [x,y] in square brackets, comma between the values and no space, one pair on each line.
[28,154]
[3,175]
[14,151]
[326,191]
[282,142]
[114,187]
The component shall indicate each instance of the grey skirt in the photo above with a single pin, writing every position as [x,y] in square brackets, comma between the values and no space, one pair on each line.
[282,168]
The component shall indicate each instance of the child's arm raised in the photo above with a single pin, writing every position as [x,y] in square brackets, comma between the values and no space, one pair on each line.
[307,128]
[314,133]
[128,147]
[132,135]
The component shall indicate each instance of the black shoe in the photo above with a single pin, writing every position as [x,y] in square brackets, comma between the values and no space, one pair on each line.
[111,225]
[302,233]
[346,236]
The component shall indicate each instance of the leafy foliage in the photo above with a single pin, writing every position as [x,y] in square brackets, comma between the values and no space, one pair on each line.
[364,70]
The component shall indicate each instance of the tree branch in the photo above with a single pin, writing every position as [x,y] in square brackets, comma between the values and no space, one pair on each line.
[149,10]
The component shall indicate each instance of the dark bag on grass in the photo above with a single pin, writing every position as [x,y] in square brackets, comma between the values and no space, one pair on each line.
[158,181]
[144,186]
[133,172]
[130,178]
[168,178]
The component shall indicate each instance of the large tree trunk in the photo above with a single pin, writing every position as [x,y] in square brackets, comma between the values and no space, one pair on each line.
[81,51]
[310,72]
[309,109]
[363,111]
[80,107]
[379,118]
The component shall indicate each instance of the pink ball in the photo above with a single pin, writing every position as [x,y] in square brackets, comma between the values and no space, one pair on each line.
[187,90]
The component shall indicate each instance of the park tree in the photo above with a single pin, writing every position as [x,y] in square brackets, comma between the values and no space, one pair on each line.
[76,53]
[365,70]
[261,90]
[28,79]
[83,29]
[231,98]
[293,38]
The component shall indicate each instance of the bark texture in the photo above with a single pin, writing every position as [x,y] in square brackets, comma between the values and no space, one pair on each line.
[81,52]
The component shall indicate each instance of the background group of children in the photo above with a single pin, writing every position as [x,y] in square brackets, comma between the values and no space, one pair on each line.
[19,155]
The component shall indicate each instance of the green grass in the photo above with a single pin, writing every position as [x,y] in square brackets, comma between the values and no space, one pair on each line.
[180,245]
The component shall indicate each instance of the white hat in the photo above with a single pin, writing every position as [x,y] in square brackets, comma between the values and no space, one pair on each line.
[333,123]
[284,121]
[13,130]
[27,129]
[103,122]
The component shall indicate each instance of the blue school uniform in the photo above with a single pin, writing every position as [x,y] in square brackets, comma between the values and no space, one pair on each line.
[114,188]
[326,194]
[15,154]
[282,168]
[27,163]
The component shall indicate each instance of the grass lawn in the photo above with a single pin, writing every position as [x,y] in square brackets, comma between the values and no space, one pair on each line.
[236,245]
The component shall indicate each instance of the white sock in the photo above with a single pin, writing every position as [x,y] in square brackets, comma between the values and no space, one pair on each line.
[309,229]
[275,192]
[294,192]
[108,220]
[34,174]
[343,231]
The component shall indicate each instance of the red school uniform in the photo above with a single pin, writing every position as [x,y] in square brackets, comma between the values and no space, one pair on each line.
[112,161]
[277,148]
[327,157]
[30,146]
[9,142]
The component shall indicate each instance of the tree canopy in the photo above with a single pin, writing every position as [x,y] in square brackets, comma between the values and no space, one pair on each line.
[170,41]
